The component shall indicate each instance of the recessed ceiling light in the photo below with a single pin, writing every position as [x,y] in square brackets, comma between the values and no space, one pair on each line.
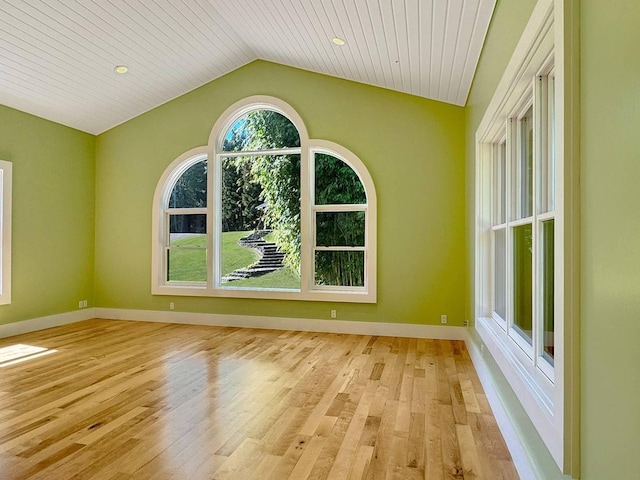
[121,69]
[338,41]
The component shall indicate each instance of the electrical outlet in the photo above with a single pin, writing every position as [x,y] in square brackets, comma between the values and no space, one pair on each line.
[82,304]
[334,314]
[172,305]
[443,319]
[465,323]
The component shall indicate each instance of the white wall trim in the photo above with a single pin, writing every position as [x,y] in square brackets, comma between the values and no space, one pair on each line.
[282,323]
[245,321]
[42,323]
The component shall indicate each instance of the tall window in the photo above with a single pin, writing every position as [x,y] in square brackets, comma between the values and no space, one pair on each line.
[340,211]
[265,212]
[519,243]
[260,203]
[523,239]
[5,231]
[186,221]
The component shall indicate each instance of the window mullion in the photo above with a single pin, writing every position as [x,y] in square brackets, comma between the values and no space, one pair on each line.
[307,223]
[261,153]
[539,139]
[513,206]
[212,188]
[340,208]
[538,164]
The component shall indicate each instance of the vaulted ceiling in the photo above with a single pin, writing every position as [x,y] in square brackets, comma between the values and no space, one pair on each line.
[57,57]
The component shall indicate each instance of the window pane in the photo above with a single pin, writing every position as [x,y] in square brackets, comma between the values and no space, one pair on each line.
[548,288]
[500,273]
[522,279]
[242,203]
[500,185]
[340,229]
[339,268]
[261,222]
[526,164]
[187,265]
[188,230]
[190,191]
[261,130]
[336,182]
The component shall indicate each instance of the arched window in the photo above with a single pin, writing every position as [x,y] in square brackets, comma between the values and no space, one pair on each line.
[186,223]
[273,214]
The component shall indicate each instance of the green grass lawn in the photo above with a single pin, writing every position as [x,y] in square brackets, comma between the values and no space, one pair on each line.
[191,265]
[188,265]
[233,255]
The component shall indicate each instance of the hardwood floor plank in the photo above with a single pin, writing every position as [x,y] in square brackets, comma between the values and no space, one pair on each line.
[104,429]
[416,441]
[149,401]
[308,459]
[344,459]
[361,463]
[469,453]
[285,466]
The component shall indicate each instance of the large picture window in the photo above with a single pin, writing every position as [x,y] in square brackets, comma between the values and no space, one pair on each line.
[265,212]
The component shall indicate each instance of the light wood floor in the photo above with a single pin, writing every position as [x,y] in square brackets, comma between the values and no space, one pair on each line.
[122,400]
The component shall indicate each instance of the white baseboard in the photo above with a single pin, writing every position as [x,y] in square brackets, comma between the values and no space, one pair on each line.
[247,321]
[41,323]
[281,323]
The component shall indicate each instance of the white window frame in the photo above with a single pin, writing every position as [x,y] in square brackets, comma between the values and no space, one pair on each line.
[6,185]
[539,386]
[308,147]
[335,150]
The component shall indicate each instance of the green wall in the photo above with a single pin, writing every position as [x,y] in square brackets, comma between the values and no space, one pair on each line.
[53,215]
[610,239]
[413,148]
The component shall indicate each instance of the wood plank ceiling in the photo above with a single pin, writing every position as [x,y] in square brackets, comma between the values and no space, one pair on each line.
[57,56]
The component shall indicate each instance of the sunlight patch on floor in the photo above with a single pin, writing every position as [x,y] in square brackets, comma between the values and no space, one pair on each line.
[21,353]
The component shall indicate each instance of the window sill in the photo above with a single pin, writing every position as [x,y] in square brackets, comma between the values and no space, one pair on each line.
[533,389]
[325,295]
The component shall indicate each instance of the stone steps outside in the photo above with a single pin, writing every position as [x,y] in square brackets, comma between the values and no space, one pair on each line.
[270,260]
